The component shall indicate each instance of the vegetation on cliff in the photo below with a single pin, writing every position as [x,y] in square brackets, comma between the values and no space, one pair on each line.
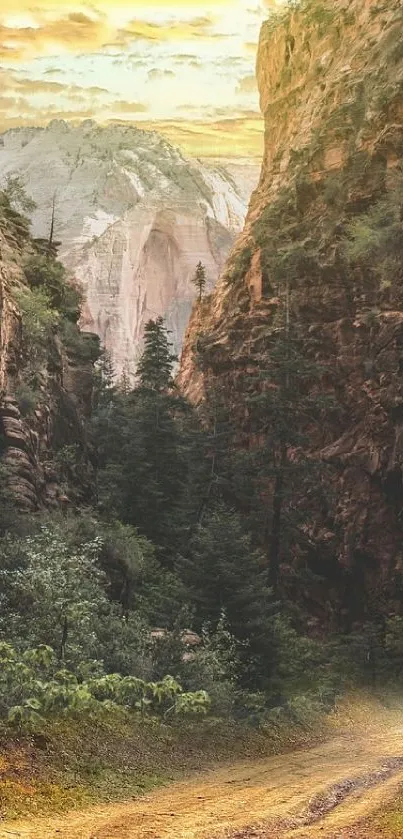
[321,252]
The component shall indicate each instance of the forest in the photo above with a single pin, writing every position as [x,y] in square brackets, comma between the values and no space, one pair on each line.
[159,590]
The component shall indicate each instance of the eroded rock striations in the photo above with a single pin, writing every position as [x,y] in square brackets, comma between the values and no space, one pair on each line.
[32,437]
[134,217]
[324,237]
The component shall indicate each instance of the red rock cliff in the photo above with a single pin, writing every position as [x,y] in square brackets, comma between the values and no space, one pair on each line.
[326,223]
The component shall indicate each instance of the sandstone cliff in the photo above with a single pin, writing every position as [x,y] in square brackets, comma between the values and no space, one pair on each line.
[38,427]
[324,239]
[134,217]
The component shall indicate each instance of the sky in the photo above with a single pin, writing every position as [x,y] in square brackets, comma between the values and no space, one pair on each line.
[183,67]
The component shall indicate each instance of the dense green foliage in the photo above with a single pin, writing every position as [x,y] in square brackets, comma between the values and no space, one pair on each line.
[48,301]
[162,594]
[34,685]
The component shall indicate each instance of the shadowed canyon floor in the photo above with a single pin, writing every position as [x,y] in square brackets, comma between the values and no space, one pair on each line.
[327,791]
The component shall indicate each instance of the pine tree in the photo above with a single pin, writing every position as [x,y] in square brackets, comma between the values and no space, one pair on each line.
[155,366]
[14,188]
[285,410]
[225,574]
[199,279]
[148,443]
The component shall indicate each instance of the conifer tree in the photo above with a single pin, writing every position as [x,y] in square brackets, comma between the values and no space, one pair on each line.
[199,279]
[14,188]
[285,409]
[147,465]
[155,366]
[223,573]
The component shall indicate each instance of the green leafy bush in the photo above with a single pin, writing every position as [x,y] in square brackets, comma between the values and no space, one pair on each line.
[33,687]
[52,594]
[44,272]
[38,319]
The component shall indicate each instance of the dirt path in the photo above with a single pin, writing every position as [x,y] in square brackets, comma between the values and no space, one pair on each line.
[303,795]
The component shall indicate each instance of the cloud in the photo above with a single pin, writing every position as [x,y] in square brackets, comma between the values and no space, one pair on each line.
[30,87]
[176,30]
[76,31]
[155,73]
[122,107]
[239,137]
[7,103]
[52,71]
[105,5]
[185,56]
[247,84]
[73,59]
[250,47]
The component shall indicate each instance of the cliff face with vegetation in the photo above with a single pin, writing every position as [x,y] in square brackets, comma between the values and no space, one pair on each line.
[45,381]
[322,253]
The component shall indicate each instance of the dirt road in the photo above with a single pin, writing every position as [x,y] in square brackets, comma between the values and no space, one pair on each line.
[303,795]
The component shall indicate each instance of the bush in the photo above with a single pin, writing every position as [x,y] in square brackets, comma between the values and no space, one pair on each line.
[44,272]
[81,346]
[39,320]
[215,665]
[27,398]
[87,596]
[34,687]
[52,594]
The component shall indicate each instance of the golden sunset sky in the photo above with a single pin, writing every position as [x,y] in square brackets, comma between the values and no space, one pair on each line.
[183,68]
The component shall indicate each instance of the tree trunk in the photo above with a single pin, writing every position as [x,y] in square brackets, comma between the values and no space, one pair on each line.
[276,522]
[64,639]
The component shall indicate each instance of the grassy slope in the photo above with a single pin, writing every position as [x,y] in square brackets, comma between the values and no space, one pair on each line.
[307,793]
[75,763]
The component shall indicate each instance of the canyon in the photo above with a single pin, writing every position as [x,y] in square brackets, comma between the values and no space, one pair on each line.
[263,514]
[133,218]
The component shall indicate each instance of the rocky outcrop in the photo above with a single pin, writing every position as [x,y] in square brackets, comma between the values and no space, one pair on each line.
[134,217]
[314,244]
[31,441]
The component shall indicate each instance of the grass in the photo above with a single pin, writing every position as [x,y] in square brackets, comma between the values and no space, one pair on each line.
[391,822]
[72,764]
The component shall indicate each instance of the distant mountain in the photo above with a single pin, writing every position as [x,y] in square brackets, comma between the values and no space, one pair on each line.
[134,217]
[244,172]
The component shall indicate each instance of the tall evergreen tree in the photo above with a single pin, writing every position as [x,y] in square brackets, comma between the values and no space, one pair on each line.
[199,279]
[225,574]
[285,409]
[155,366]
[148,441]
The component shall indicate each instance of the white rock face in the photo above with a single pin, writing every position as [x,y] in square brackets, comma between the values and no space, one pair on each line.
[134,217]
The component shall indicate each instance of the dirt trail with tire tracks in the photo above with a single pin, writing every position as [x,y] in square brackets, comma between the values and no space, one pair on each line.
[302,795]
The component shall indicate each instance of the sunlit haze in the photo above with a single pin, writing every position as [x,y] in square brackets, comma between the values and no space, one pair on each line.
[186,69]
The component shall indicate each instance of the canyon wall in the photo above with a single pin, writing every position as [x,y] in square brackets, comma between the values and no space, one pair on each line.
[133,217]
[39,428]
[323,243]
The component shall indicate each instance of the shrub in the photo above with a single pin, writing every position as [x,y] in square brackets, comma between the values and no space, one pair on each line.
[39,321]
[240,266]
[33,687]
[27,397]
[44,272]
